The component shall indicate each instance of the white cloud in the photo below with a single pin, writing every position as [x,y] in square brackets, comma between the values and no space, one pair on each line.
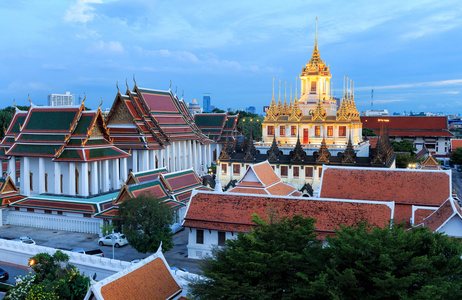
[27,86]
[452,92]
[81,11]
[106,47]
[417,84]
[384,101]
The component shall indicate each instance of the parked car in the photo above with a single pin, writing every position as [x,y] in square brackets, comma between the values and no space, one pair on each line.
[25,240]
[178,269]
[4,275]
[96,252]
[78,250]
[115,239]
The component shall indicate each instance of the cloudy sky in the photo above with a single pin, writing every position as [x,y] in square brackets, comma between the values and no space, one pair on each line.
[408,51]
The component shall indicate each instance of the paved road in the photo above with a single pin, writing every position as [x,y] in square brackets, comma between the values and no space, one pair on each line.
[71,240]
[13,271]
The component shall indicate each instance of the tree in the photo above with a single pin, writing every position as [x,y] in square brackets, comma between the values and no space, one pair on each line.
[54,278]
[263,264]
[146,220]
[391,263]
[250,124]
[456,156]
[368,132]
[404,159]
[403,146]
[6,115]
[217,110]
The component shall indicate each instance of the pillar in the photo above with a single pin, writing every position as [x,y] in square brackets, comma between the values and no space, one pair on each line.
[12,168]
[41,175]
[201,168]
[57,177]
[105,172]
[94,178]
[173,158]
[71,179]
[115,174]
[123,169]
[185,159]
[152,159]
[190,154]
[135,161]
[25,179]
[83,186]
[167,158]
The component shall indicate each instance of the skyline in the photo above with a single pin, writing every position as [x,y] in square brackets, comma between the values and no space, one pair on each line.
[409,53]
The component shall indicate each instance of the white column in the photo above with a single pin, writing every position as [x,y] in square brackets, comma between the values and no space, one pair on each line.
[193,155]
[172,158]
[57,178]
[167,158]
[25,179]
[41,175]
[71,180]
[115,174]
[190,154]
[1,168]
[185,161]
[83,186]
[201,160]
[105,172]
[161,158]
[144,164]
[209,155]
[135,161]
[152,159]
[94,178]
[123,169]
[12,168]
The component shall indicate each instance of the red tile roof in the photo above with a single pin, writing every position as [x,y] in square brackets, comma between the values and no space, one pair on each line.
[443,214]
[265,173]
[233,212]
[455,143]
[418,187]
[409,126]
[421,213]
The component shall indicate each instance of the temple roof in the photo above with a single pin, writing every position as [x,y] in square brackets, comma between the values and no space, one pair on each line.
[220,127]
[142,176]
[448,210]
[150,278]
[9,193]
[233,212]
[418,187]
[62,133]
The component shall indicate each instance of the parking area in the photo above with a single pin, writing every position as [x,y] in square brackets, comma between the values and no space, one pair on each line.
[71,240]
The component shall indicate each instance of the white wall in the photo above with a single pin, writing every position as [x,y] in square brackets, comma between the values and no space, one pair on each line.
[198,251]
[453,227]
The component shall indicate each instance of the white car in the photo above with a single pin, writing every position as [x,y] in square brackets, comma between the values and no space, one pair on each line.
[115,239]
[25,240]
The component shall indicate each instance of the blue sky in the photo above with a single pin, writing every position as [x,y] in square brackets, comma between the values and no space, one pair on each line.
[408,51]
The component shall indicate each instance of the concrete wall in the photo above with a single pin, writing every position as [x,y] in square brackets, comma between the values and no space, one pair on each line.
[19,253]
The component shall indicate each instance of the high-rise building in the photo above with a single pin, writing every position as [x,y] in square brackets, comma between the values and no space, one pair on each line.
[206,103]
[60,99]
[250,109]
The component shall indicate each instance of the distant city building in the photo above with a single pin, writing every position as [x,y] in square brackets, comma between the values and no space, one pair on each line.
[194,107]
[376,113]
[206,103]
[250,109]
[60,99]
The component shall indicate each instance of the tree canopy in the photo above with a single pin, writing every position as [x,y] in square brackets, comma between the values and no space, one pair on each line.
[6,115]
[403,146]
[54,278]
[368,132]
[146,220]
[282,260]
[456,156]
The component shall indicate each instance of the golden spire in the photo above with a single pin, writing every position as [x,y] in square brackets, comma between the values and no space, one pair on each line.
[286,108]
[279,102]
[316,36]
[296,89]
[343,87]
[290,96]
[272,101]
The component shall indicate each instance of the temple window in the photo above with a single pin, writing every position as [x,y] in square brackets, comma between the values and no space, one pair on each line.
[293,130]
[199,236]
[342,131]
[221,238]
[296,172]
[284,171]
[224,168]
[61,181]
[319,172]
[31,182]
[76,181]
[282,131]
[308,172]
[270,130]
[330,130]
[317,130]
[46,182]
[236,169]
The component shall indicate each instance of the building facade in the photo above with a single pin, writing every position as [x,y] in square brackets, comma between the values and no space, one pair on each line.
[61,99]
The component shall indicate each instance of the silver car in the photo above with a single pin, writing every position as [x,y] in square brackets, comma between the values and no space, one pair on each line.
[115,239]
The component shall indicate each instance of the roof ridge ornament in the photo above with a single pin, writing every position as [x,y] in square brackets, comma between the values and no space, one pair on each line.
[274,154]
[349,156]
[134,79]
[323,154]
[298,154]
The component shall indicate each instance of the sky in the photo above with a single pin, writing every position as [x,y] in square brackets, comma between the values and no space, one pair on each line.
[409,52]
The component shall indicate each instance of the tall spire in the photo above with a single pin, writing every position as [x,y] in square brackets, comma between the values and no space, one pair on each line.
[272,101]
[316,36]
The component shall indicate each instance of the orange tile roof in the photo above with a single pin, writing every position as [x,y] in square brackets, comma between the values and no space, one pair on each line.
[248,190]
[265,173]
[250,183]
[150,281]
[280,189]
[421,213]
[417,187]
[445,212]
[233,212]
[455,143]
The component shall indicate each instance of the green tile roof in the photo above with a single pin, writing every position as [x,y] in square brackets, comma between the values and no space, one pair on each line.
[50,120]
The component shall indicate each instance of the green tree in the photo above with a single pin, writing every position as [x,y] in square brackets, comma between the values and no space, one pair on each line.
[404,159]
[392,263]
[403,146]
[54,278]
[250,124]
[264,264]
[146,220]
[456,156]
[368,132]
[6,115]
[217,110]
